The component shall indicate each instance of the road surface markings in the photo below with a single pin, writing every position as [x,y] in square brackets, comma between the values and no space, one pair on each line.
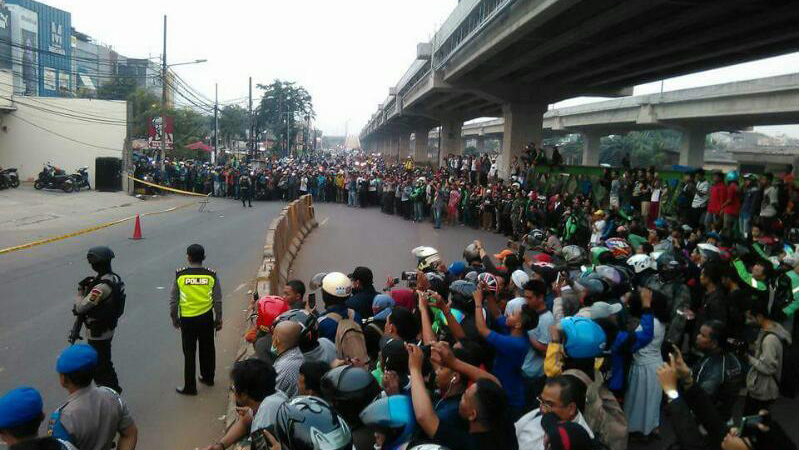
[88,230]
[241,286]
[324,221]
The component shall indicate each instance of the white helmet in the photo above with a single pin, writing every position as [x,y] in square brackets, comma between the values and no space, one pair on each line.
[640,263]
[426,257]
[337,284]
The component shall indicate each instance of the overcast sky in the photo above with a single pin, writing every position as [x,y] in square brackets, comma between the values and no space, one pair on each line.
[345,52]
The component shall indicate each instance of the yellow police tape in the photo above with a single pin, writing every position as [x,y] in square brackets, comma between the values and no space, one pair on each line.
[169,188]
[89,230]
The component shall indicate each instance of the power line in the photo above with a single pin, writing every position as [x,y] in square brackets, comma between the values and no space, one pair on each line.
[66,137]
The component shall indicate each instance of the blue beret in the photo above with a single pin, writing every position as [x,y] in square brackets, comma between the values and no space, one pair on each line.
[76,358]
[20,406]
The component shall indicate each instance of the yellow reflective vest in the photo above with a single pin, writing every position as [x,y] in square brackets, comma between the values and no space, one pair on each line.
[196,287]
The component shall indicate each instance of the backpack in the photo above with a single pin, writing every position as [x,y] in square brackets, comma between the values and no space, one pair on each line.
[603,413]
[350,342]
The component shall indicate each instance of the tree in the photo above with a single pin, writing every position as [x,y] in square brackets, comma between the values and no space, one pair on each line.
[233,122]
[117,88]
[283,108]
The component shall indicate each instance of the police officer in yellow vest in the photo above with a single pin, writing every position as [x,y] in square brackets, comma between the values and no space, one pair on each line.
[195,306]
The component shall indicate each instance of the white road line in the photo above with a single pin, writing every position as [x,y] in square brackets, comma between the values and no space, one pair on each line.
[241,286]
[324,221]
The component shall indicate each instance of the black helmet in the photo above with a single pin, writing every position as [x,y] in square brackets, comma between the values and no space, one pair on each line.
[668,266]
[310,326]
[310,423]
[471,254]
[349,389]
[461,293]
[437,283]
[100,255]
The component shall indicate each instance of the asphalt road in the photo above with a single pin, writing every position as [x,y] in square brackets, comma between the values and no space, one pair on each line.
[38,287]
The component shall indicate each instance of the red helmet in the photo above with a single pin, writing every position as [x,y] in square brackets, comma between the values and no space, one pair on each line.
[269,307]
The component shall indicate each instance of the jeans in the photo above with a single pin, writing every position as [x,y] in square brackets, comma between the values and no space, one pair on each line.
[217,189]
[352,199]
[743,224]
[418,211]
[437,211]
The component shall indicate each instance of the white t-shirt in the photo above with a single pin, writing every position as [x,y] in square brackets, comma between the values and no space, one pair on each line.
[530,434]
[304,184]
[597,227]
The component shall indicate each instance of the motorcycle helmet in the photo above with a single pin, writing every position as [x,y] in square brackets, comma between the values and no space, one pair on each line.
[427,258]
[269,307]
[584,337]
[709,252]
[574,255]
[310,423]
[612,276]
[619,247]
[596,252]
[668,266]
[661,223]
[461,293]
[471,277]
[731,176]
[310,326]
[471,254]
[393,417]
[349,389]
[489,279]
[100,255]
[640,263]
[535,238]
[316,281]
[457,268]
[337,284]
[437,283]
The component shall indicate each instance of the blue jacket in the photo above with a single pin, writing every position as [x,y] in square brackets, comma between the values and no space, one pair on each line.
[626,344]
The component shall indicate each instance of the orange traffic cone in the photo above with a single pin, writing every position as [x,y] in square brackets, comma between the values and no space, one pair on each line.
[137,230]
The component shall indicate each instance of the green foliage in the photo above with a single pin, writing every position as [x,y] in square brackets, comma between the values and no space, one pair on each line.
[118,88]
[284,106]
[233,122]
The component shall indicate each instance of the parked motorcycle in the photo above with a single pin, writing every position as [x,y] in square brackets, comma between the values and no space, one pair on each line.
[52,177]
[80,179]
[9,178]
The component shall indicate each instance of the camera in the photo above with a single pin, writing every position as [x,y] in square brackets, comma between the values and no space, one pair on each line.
[409,276]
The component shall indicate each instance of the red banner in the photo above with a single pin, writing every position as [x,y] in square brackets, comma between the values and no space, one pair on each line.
[160,129]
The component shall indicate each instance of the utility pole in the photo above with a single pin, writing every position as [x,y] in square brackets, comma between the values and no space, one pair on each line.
[216,124]
[288,131]
[252,136]
[163,101]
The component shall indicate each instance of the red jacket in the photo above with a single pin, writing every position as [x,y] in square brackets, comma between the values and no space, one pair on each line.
[733,195]
[718,193]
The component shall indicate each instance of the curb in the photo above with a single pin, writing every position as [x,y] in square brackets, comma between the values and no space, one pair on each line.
[283,241]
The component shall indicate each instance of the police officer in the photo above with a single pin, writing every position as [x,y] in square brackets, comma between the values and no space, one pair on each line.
[92,416]
[195,306]
[101,301]
[20,416]
[245,188]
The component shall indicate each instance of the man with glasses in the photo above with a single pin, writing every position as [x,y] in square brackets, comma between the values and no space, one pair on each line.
[563,395]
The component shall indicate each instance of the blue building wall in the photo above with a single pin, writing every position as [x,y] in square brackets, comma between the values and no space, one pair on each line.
[55,49]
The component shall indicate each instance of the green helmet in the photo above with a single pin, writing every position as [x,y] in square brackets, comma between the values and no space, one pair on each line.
[595,252]
[100,254]
[731,176]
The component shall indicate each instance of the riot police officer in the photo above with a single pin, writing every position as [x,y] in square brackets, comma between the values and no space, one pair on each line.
[101,301]
[195,307]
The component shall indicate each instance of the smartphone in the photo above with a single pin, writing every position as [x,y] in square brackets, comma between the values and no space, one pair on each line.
[312,300]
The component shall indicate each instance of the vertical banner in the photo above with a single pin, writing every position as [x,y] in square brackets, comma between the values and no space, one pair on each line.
[5,37]
[159,132]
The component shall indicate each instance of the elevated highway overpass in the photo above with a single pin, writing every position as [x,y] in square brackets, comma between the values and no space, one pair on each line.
[512,58]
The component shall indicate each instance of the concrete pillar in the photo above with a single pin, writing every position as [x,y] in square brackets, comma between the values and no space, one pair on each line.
[692,147]
[591,145]
[524,124]
[404,148]
[451,138]
[480,144]
[421,137]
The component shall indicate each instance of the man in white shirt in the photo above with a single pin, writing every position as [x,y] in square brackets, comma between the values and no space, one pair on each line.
[560,396]
[701,197]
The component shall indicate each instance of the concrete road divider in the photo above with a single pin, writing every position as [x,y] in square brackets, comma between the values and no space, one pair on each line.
[283,241]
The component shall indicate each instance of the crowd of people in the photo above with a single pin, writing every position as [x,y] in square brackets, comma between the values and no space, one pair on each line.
[602,316]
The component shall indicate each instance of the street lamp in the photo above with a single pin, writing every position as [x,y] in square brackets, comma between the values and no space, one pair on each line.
[196,61]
